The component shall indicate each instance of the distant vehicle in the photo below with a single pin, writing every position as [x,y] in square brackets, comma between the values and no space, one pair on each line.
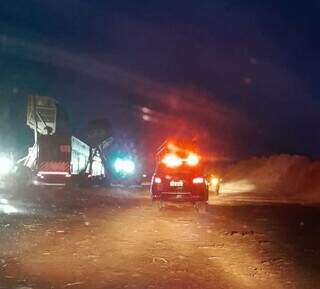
[123,163]
[179,177]
[124,171]
[59,159]
[63,159]
[214,183]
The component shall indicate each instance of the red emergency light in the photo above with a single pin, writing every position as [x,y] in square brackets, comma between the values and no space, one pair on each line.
[172,160]
[192,159]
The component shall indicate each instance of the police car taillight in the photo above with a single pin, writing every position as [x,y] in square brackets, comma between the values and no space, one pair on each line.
[198,180]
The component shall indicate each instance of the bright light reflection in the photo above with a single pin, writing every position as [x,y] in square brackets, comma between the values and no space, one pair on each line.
[214,181]
[8,209]
[6,165]
[192,159]
[241,186]
[124,165]
[4,201]
[171,160]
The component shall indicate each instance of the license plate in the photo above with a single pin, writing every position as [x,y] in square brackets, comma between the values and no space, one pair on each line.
[176,184]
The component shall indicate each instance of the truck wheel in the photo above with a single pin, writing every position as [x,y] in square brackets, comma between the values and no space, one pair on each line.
[24,178]
[72,184]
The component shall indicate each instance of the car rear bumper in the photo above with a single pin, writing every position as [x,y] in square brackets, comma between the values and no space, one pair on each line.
[186,191]
[41,183]
[52,180]
[189,194]
[178,197]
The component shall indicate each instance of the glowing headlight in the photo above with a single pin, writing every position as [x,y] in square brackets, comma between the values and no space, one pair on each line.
[126,166]
[6,165]
[214,181]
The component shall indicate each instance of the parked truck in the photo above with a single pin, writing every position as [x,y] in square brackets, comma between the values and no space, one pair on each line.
[64,159]
[58,158]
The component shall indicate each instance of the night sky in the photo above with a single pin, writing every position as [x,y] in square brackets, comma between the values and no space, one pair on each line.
[240,76]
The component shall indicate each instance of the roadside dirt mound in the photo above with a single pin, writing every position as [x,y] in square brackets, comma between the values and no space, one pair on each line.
[288,174]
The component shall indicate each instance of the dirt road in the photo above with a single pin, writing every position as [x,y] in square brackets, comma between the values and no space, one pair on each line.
[116,239]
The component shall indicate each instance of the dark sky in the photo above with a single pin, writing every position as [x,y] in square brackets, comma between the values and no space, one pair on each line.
[241,76]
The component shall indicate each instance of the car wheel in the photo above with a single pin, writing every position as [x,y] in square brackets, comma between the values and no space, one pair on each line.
[201,207]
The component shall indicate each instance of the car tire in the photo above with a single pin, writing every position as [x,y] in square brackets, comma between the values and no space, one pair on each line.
[201,207]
